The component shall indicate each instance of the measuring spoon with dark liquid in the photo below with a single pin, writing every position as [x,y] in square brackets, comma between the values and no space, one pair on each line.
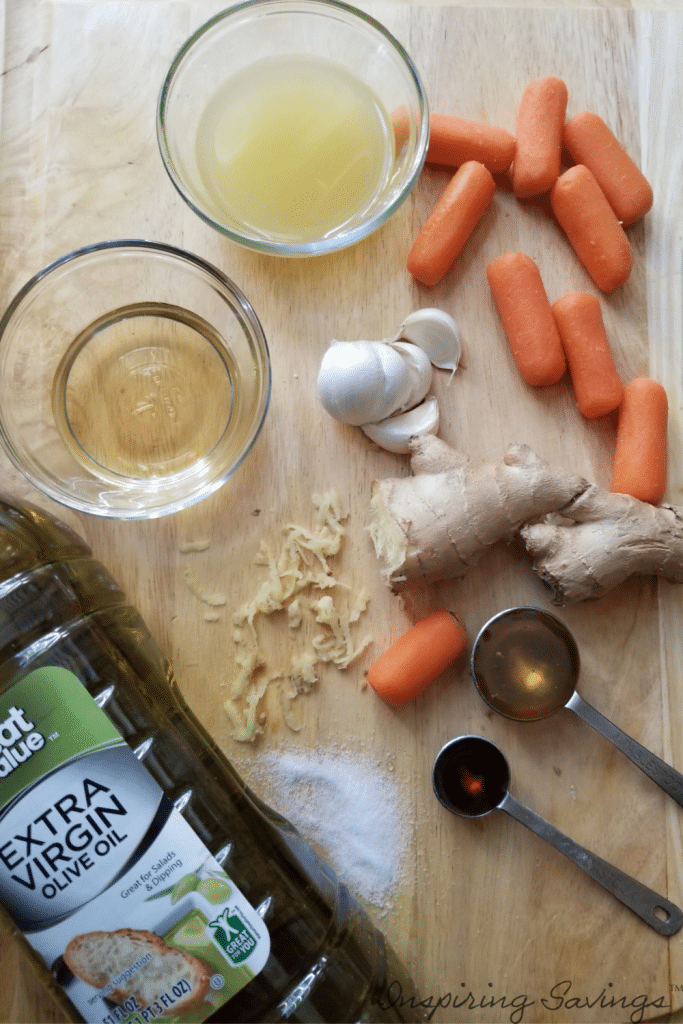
[525,664]
[471,778]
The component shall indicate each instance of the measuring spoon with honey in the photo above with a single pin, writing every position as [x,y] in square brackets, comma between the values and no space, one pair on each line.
[525,664]
[471,778]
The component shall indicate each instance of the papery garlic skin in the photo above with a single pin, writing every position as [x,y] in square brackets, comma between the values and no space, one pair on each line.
[367,381]
[394,433]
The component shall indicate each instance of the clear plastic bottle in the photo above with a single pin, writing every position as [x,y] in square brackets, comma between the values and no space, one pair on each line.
[146,878]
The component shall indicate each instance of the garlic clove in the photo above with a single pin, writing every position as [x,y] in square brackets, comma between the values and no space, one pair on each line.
[395,432]
[436,333]
[420,373]
[362,381]
[401,381]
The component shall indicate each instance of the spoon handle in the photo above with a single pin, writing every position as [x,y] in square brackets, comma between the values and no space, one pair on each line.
[665,917]
[666,777]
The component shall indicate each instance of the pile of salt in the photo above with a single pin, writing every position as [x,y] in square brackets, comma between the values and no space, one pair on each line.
[350,808]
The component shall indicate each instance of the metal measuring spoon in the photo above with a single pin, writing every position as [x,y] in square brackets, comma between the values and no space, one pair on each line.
[525,664]
[471,778]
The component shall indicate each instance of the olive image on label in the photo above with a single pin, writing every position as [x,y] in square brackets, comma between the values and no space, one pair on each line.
[188,883]
[215,890]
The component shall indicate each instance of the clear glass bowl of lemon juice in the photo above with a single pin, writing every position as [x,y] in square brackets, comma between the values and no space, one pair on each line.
[295,128]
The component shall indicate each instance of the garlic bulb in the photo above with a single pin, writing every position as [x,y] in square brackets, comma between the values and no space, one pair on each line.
[436,333]
[366,381]
[382,386]
[394,433]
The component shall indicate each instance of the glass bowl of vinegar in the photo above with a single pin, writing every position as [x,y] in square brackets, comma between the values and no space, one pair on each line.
[294,127]
[134,379]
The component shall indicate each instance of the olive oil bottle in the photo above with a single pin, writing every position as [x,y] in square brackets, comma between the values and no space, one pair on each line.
[146,879]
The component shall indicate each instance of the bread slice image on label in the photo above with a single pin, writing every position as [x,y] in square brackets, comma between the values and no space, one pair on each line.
[129,964]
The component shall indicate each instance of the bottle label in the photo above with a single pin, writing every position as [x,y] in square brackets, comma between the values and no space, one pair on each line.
[106,879]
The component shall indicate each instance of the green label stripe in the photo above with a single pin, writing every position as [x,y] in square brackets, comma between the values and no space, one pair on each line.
[47,719]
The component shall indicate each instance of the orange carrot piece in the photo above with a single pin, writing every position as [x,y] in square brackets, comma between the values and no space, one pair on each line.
[528,321]
[538,134]
[451,223]
[640,454]
[592,143]
[455,140]
[400,120]
[595,378]
[417,658]
[592,228]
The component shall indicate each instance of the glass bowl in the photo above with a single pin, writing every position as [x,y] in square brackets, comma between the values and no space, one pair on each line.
[134,379]
[294,127]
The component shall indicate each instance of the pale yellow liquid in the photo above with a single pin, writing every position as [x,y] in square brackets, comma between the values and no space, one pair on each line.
[294,147]
[147,392]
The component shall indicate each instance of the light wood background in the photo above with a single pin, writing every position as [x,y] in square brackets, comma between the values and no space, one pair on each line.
[483,907]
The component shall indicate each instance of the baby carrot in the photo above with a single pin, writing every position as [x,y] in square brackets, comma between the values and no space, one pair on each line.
[595,378]
[540,118]
[454,140]
[592,228]
[400,120]
[640,454]
[451,223]
[417,658]
[529,325]
[591,143]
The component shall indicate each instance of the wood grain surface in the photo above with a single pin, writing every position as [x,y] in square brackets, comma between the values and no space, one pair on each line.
[492,923]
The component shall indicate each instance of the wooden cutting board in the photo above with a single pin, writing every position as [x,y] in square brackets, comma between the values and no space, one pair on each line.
[494,924]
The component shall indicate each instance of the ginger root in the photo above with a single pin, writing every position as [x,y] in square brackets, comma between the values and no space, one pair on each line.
[601,539]
[582,540]
[433,526]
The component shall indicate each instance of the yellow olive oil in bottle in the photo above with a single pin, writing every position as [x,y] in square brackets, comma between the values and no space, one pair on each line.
[146,879]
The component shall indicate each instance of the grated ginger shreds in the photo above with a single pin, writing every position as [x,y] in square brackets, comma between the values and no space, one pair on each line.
[246,726]
[295,613]
[302,673]
[336,644]
[288,715]
[187,547]
[249,663]
[300,566]
[215,600]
